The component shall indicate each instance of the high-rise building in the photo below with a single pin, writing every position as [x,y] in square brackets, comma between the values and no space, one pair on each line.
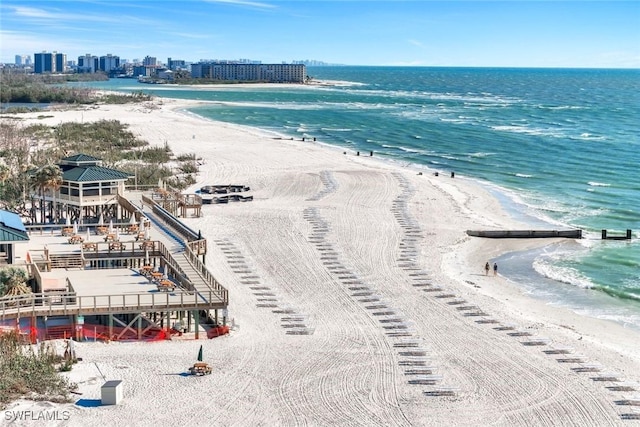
[272,73]
[49,62]
[88,63]
[60,60]
[149,61]
[109,63]
[43,63]
[23,60]
[176,64]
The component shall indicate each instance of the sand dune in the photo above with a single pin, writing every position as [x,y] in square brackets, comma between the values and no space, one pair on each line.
[355,296]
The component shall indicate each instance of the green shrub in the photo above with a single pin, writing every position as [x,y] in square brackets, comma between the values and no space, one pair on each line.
[30,374]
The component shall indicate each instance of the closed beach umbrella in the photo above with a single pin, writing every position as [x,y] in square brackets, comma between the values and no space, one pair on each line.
[68,222]
[141,226]
[75,227]
[146,234]
[132,220]
[200,354]
[146,257]
[117,234]
[101,220]
[88,234]
[111,226]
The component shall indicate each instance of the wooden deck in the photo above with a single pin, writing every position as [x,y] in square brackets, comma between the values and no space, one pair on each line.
[100,275]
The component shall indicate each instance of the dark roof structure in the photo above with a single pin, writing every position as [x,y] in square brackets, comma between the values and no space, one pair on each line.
[11,227]
[85,168]
[93,173]
[80,158]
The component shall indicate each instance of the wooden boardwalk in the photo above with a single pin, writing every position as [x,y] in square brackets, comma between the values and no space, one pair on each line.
[177,250]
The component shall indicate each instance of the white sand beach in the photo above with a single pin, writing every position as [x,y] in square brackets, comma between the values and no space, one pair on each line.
[373,258]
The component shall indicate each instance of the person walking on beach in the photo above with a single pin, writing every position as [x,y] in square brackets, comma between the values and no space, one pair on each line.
[495,269]
[486,269]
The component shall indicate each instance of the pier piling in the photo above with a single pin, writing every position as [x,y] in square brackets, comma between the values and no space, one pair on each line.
[606,236]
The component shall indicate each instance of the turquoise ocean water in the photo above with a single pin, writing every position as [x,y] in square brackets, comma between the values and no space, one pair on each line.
[559,147]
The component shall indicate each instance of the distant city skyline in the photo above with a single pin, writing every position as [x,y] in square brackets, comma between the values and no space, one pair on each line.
[409,33]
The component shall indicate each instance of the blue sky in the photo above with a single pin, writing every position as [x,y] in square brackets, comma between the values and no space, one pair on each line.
[420,33]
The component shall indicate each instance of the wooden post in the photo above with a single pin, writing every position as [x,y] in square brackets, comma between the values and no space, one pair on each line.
[110,325]
[34,327]
[628,234]
[196,320]
[604,234]
[169,324]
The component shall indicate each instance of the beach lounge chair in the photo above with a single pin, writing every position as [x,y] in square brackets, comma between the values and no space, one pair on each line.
[627,386]
[593,367]
[442,391]
[425,379]
[629,401]
[608,376]
[631,416]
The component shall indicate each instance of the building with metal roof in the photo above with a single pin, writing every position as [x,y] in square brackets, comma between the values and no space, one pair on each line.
[12,230]
[87,188]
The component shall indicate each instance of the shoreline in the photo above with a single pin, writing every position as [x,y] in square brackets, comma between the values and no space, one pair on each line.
[356,197]
[508,202]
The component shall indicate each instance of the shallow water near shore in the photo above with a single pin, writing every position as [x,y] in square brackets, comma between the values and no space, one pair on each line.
[528,270]
[559,148]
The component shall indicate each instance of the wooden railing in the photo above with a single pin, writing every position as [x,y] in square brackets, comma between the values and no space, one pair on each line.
[69,303]
[198,247]
[129,207]
[56,229]
[195,245]
[204,272]
[178,274]
[122,249]
[185,232]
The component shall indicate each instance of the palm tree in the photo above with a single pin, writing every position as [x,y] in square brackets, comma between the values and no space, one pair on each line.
[13,281]
[44,178]
[37,182]
[53,183]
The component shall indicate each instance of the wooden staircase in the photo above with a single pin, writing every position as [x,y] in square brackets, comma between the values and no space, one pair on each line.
[66,261]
